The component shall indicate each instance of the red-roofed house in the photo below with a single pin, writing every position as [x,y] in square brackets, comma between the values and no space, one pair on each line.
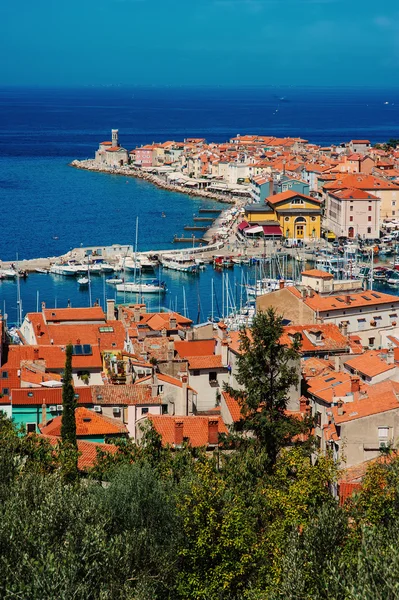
[90,426]
[362,423]
[353,212]
[198,431]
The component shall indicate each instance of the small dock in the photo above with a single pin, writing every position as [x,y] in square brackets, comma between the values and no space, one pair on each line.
[188,228]
[188,240]
[215,211]
[207,219]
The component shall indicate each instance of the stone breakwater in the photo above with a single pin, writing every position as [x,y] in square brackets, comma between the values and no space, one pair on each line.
[158,180]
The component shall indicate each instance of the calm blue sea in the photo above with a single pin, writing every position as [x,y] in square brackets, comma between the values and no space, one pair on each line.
[42,130]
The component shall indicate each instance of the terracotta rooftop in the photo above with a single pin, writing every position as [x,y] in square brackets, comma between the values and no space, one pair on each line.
[316,338]
[87,451]
[48,396]
[370,364]
[233,407]
[195,348]
[195,428]
[376,399]
[87,423]
[95,313]
[318,273]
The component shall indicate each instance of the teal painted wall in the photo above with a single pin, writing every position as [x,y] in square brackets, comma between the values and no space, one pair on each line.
[30,414]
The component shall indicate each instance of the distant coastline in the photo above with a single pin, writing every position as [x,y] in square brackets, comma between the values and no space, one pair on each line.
[157,180]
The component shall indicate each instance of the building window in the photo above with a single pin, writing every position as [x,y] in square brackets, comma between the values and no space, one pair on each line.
[369,218]
[350,218]
[361,323]
[31,428]
[144,410]
[383,432]
[370,208]
[368,229]
[351,208]
[393,213]
[164,409]
[5,391]
[371,341]
[318,419]
[4,374]
[393,202]
[196,373]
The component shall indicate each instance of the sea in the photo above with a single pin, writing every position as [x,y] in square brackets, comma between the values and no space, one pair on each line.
[47,207]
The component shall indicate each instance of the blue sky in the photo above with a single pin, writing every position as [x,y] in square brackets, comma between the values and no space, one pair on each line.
[207,42]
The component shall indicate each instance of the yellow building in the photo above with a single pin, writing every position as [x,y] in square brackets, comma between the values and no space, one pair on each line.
[298,215]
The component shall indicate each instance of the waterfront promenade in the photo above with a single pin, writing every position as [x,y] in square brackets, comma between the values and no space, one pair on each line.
[158,179]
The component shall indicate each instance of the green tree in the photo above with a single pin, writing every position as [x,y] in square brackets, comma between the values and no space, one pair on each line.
[267,370]
[68,454]
[68,426]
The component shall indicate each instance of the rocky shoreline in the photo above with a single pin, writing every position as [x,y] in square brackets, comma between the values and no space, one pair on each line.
[129,171]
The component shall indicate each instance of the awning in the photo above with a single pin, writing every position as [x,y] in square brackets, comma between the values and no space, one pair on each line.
[272,230]
[243,225]
[253,230]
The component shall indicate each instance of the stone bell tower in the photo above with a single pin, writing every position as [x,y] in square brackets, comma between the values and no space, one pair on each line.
[115,138]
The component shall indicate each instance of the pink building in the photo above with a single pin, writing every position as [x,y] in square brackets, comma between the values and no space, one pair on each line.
[351,212]
[144,156]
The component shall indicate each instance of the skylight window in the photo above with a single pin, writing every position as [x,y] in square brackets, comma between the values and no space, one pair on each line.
[330,379]
[82,350]
[106,329]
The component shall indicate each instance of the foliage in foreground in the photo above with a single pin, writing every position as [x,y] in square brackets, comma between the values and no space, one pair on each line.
[178,525]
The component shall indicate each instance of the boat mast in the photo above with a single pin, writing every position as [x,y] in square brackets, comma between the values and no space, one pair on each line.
[19,301]
[135,255]
[212,292]
[88,277]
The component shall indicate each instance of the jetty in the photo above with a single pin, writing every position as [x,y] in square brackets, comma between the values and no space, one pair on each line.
[210,210]
[207,219]
[193,228]
[188,240]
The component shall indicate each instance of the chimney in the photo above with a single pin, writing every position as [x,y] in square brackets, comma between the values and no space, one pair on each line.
[35,353]
[337,363]
[344,328]
[154,384]
[304,294]
[172,322]
[222,330]
[355,384]
[44,415]
[347,299]
[390,357]
[340,408]
[171,350]
[281,284]
[178,432]
[213,431]
[136,312]
[303,405]
[43,306]
[110,309]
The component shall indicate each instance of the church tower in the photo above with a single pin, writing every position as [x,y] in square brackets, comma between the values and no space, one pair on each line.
[115,138]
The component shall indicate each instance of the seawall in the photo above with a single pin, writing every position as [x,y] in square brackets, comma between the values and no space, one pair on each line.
[130,171]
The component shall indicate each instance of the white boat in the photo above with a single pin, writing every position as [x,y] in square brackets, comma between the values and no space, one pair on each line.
[114,280]
[83,281]
[8,273]
[141,288]
[65,270]
[264,286]
[146,263]
[179,262]
[131,265]
[44,271]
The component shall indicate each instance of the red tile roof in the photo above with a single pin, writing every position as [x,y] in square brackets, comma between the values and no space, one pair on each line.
[210,361]
[195,348]
[317,273]
[126,395]
[316,338]
[195,428]
[87,451]
[370,364]
[282,196]
[48,396]
[233,407]
[376,399]
[95,313]
[87,423]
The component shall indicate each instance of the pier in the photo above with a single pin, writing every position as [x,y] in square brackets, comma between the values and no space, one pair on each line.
[188,240]
[207,219]
[216,211]
[193,228]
